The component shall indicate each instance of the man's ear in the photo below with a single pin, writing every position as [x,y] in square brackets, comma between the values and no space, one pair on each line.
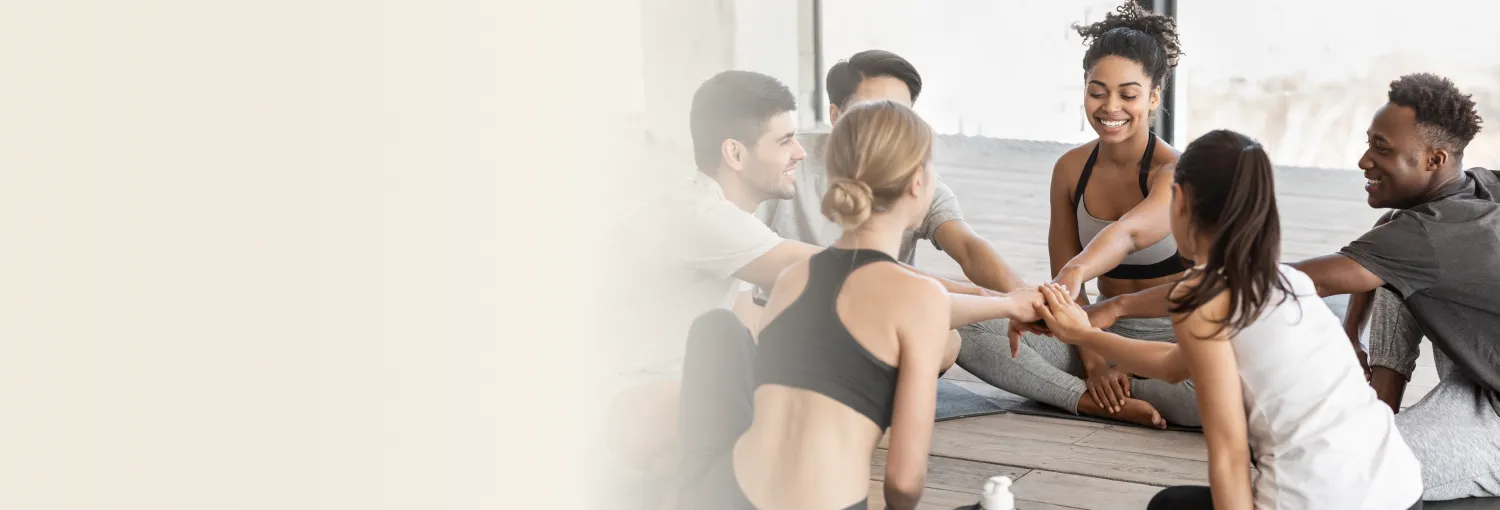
[833,113]
[733,154]
[1437,158]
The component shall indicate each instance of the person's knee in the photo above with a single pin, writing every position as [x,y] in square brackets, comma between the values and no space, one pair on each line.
[716,323]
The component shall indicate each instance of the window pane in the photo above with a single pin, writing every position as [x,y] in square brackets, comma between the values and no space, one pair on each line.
[1305,77]
[997,68]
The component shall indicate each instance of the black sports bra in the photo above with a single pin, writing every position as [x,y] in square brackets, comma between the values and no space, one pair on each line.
[808,347]
[1155,261]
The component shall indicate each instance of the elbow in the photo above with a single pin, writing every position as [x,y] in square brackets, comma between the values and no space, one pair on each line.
[1177,373]
[904,492]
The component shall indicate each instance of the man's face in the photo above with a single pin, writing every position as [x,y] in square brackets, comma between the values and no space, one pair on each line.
[879,88]
[1396,165]
[771,163]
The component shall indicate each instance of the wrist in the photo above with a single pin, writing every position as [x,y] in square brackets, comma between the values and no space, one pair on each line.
[1115,306]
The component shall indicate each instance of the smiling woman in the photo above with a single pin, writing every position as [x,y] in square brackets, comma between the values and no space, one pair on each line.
[1115,230]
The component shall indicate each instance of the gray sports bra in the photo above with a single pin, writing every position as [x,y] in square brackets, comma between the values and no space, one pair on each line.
[1155,261]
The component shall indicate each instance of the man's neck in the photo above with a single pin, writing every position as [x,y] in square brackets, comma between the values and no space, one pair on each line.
[737,193]
[1446,179]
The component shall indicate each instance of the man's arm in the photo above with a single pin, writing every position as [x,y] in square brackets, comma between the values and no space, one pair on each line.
[763,270]
[1338,274]
[980,261]
[1332,274]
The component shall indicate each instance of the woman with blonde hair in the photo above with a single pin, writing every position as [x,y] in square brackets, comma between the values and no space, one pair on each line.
[850,345]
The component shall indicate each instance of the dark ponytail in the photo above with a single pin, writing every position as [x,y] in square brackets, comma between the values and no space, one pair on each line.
[1230,180]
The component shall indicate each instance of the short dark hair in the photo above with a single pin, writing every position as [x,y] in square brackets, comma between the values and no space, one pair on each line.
[1445,116]
[846,75]
[1134,33]
[734,105]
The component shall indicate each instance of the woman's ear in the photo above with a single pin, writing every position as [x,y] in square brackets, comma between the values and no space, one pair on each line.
[1180,204]
[1155,98]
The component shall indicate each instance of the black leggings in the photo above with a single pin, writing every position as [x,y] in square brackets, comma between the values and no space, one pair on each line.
[717,405]
[1197,497]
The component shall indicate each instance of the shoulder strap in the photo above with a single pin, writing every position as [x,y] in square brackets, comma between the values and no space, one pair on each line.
[1083,178]
[1146,165]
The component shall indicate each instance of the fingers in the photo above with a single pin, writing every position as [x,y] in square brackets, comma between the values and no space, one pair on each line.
[1119,391]
[1045,314]
[1015,342]
[1094,395]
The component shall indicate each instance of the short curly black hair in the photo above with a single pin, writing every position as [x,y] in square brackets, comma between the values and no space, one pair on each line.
[1445,116]
[1133,32]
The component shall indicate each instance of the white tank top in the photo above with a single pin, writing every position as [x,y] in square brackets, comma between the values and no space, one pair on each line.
[1318,435]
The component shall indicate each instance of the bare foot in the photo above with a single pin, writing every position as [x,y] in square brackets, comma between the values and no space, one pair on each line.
[1133,410]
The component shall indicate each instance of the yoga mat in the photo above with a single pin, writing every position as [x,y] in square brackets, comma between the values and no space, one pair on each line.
[954,402]
[1034,408]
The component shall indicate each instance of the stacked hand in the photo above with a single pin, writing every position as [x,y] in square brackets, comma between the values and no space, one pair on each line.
[1070,323]
[1063,316]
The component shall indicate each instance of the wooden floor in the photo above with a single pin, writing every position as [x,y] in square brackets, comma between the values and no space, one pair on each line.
[1059,463]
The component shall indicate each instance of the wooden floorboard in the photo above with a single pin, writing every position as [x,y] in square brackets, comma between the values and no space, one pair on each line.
[1166,443]
[1052,454]
[1082,492]
[952,474]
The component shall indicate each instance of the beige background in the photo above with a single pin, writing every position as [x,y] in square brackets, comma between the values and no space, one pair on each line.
[289,254]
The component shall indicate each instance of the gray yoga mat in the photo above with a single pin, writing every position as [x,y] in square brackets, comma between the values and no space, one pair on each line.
[1034,408]
[954,402]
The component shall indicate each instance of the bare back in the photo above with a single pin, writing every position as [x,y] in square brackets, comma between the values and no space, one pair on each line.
[806,449]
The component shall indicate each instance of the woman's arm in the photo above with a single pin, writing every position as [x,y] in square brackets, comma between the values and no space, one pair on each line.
[1070,323]
[1144,225]
[920,332]
[1210,358]
[1017,305]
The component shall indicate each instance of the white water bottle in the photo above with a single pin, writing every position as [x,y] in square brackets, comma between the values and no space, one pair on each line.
[997,494]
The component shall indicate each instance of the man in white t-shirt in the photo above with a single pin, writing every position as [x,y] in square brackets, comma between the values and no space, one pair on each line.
[691,250]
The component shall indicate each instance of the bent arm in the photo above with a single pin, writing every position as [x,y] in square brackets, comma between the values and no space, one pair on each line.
[981,263]
[1337,274]
[1156,360]
[1144,225]
[921,345]
[1210,358]
[763,270]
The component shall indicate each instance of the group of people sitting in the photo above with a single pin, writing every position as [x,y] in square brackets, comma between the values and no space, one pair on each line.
[785,330]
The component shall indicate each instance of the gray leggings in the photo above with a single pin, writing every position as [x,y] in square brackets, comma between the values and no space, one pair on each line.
[1051,372]
[1455,430]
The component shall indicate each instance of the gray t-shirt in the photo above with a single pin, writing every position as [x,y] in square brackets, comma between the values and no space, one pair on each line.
[1443,258]
[801,218]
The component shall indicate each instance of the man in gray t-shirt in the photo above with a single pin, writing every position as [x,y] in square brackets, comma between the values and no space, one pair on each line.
[1436,260]
[875,75]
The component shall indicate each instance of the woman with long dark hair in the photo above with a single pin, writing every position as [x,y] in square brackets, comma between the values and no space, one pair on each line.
[1277,381]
